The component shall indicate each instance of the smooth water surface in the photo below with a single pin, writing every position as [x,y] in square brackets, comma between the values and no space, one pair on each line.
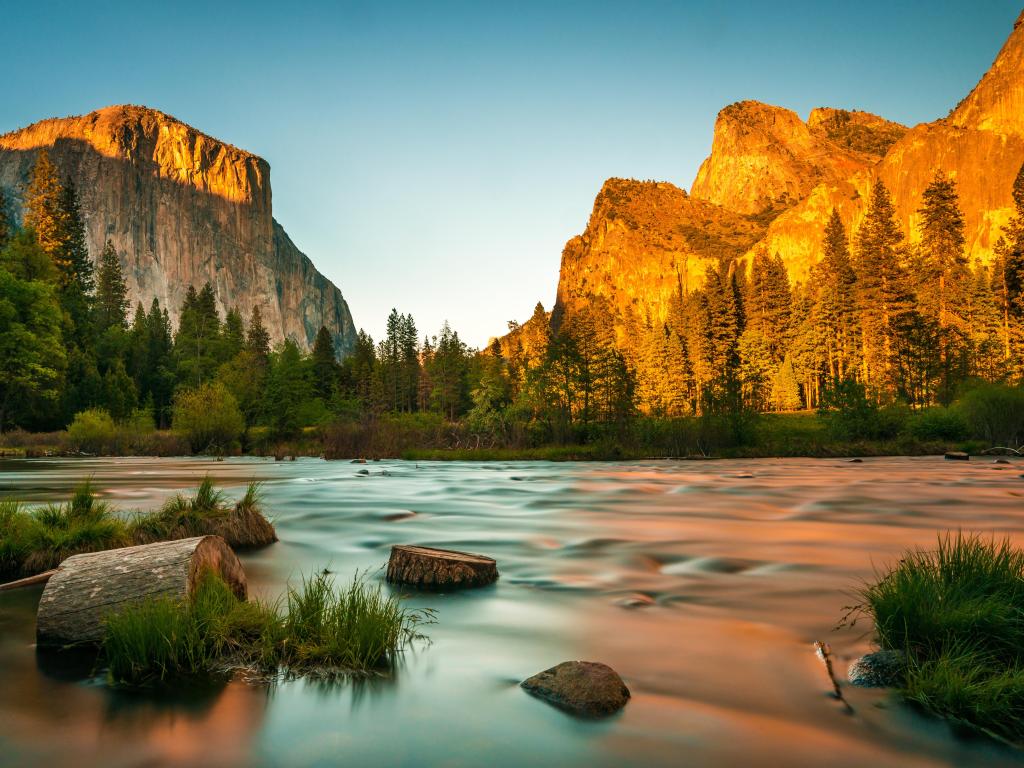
[703,583]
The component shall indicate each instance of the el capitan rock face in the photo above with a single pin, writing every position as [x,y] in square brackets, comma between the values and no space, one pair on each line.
[772,181]
[181,208]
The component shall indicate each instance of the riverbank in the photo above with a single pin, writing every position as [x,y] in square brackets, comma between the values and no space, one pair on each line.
[413,437]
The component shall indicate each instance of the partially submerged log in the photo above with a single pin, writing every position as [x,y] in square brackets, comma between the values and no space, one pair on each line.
[87,588]
[957,456]
[431,568]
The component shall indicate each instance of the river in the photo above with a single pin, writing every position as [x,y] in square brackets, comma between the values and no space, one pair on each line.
[704,584]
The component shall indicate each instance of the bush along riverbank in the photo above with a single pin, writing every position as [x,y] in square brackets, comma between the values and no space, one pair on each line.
[317,628]
[36,540]
[955,615]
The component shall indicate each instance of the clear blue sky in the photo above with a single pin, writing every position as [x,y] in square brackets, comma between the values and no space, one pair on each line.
[436,156]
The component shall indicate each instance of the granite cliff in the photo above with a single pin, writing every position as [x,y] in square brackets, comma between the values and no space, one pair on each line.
[772,181]
[181,208]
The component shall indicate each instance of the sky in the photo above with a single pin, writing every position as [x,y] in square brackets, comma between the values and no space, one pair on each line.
[434,156]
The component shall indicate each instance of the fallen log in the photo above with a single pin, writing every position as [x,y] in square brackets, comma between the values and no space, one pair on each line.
[88,587]
[28,581]
[431,568]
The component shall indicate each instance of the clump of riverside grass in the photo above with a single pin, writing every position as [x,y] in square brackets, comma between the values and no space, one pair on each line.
[35,540]
[957,612]
[242,525]
[317,629]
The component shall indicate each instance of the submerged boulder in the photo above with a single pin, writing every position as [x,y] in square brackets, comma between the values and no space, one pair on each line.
[881,669]
[586,688]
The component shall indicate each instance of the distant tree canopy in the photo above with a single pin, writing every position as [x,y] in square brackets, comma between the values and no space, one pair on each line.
[880,321]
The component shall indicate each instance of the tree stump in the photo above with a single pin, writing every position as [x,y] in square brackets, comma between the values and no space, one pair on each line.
[86,588]
[431,568]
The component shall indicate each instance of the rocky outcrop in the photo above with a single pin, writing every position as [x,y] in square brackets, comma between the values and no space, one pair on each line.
[765,159]
[772,181]
[645,244]
[858,131]
[181,208]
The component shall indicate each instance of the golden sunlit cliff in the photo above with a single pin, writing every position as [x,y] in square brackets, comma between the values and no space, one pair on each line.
[181,208]
[772,181]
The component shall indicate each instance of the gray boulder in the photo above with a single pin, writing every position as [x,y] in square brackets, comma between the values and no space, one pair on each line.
[586,688]
[881,669]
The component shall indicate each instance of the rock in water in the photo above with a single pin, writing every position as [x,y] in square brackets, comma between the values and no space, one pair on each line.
[586,688]
[87,587]
[431,568]
[957,456]
[881,669]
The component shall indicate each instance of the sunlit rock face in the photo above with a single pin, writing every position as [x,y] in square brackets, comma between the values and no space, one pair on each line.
[181,208]
[772,181]
[765,159]
[645,244]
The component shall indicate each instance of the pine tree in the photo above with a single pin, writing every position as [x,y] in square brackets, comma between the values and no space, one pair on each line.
[111,305]
[258,339]
[882,289]
[119,394]
[161,373]
[448,374]
[835,308]
[288,389]
[196,342]
[44,213]
[232,336]
[943,296]
[75,250]
[324,364]
[768,303]
[785,389]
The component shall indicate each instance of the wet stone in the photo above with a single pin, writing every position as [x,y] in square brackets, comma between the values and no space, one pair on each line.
[585,688]
[881,669]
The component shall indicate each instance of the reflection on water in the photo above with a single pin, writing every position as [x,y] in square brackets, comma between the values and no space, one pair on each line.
[703,584]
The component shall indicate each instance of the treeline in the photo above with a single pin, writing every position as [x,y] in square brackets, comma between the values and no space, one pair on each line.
[880,322]
[881,318]
[70,351]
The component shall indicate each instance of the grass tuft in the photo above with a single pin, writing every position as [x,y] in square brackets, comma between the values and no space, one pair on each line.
[317,629]
[35,540]
[241,525]
[958,613]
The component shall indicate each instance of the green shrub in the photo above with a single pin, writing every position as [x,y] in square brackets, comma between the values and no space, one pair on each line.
[322,629]
[946,424]
[93,431]
[995,413]
[958,613]
[852,415]
[209,418]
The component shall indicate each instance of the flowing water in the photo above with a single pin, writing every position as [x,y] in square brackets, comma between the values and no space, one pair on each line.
[703,584]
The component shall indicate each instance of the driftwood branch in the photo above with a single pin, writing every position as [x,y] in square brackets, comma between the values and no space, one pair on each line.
[28,581]
[824,651]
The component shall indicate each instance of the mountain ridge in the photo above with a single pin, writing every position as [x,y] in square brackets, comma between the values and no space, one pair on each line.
[181,208]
